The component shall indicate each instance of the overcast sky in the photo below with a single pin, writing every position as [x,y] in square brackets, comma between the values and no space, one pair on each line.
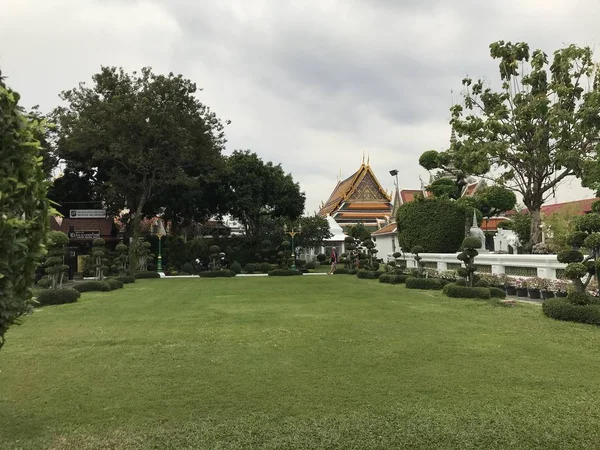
[306,83]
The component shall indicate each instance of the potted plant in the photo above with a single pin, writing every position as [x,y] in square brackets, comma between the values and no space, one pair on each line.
[521,286]
[534,287]
[546,289]
[560,288]
[510,285]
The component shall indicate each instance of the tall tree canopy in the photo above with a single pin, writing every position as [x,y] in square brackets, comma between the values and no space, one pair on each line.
[137,136]
[23,206]
[258,189]
[541,127]
[315,230]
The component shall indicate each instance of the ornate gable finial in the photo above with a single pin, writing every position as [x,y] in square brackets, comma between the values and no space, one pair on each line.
[363,158]
[368,159]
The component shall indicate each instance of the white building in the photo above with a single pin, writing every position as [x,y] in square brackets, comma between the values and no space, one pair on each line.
[386,240]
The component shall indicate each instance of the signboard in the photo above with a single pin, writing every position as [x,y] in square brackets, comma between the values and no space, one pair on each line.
[87,214]
[84,234]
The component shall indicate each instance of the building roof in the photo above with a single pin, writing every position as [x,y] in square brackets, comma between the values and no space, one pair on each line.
[408,195]
[360,191]
[388,229]
[580,206]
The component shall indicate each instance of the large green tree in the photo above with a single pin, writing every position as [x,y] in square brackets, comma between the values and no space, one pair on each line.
[541,127]
[258,190]
[23,207]
[136,136]
[315,230]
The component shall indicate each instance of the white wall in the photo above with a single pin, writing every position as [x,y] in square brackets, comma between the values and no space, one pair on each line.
[545,265]
[386,244]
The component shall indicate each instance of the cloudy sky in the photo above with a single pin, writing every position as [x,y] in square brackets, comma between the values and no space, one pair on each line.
[307,83]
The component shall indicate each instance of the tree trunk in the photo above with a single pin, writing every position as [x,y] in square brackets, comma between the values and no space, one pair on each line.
[536,222]
[137,220]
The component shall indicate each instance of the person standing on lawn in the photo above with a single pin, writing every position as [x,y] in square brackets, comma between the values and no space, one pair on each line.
[334,260]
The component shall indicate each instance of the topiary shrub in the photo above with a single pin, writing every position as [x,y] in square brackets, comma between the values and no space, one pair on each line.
[368,274]
[265,267]
[579,298]
[147,274]
[236,267]
[470,245]
[311,265]
[562,309]
[284,273]
[392,278]
[352,271]
[90,286]
[482,283]
[497,293]
[569,256]
[57,296]
[436,224]
[321,257]
[455,291]
[251,268]
[341,271]
[126,279]
[114,284]
[189,268]
[432,284]
[217,274]
[44,283]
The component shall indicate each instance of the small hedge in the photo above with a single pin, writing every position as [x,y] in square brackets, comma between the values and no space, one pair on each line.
[497,293]
[368,274]
[236,267]
[341,271]
[311,265]
[284,273]
[392,278]
[562,309]
[148,274]
[114,284]
[352,271]
[251,268]
[432,284]
[218,274]
[265,267]
[90,286]
[126,279]
[57,296]
[455,291]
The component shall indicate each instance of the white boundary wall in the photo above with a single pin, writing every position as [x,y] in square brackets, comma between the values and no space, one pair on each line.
[546,265]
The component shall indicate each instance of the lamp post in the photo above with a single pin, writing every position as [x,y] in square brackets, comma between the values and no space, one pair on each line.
[292,233]
[159,231]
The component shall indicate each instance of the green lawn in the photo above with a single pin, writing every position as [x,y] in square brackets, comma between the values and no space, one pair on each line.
[296,363]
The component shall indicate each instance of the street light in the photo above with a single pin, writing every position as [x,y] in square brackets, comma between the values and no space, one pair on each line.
[159,231]
[292,233]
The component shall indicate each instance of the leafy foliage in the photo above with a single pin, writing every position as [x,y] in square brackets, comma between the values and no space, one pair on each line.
[138,136]
[540,128]
[392,278]
[284,273]
[126,279]
[23,207]
[438,225]
[88,286]
[100,258]
[432,284]
[146,274]
[113,283]
[218,274]
[563,309]
[55,260]
[258,189]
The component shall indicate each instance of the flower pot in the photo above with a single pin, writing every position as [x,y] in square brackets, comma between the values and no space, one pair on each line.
[511,290]
[547,294]
[534,294]
[561,294]
[522,292]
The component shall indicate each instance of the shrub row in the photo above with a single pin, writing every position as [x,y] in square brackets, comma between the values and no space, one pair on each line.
[57,296]
[114,284]
[284,273]
[497,293]
[149,274]
[562,309]
[456,291]
[392,278]
[90,286]
[432,284]
[218,274]
[126,279]
[368,274]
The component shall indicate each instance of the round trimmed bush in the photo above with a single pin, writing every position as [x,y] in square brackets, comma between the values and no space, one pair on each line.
[482,283]
[321,257]
[471,242]
[114,284]
[579,298]
[392,278]
[575,270]
[562,309]
[432,284]
[126,279]
[340,271]
[576,238]
[251,268]
[367,274]
[310,265]
[236,267]
[57,296]
[455,291]
[147,274]
[569,256]
[187,268]
[265,267]
[44,283]
[497,293]
[91,286]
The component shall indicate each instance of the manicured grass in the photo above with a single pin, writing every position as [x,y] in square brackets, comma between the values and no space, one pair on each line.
[296,363]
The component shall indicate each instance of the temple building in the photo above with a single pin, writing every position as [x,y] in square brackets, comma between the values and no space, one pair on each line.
[359,199]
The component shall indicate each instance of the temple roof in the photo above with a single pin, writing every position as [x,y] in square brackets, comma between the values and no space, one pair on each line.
[360,188]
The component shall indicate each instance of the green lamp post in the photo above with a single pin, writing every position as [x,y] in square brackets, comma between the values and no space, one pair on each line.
[159,231]
[292,233]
